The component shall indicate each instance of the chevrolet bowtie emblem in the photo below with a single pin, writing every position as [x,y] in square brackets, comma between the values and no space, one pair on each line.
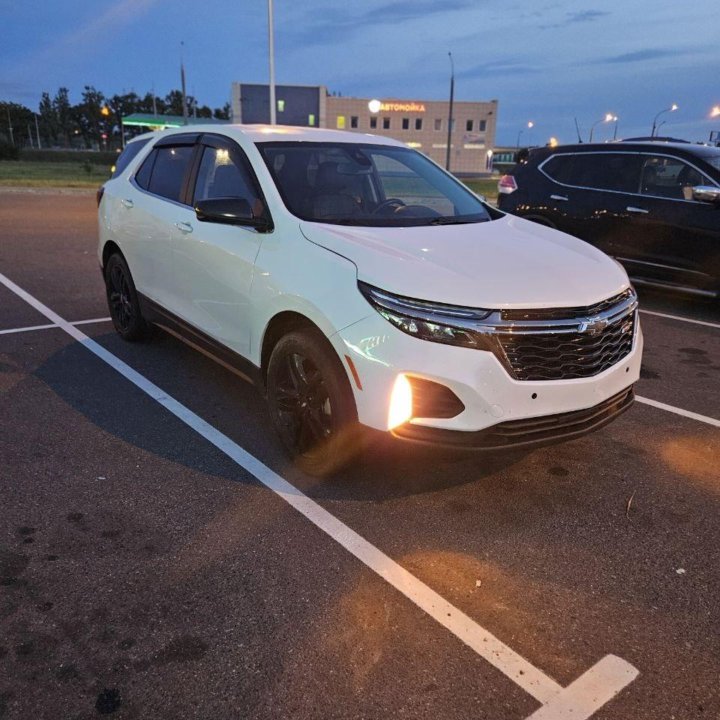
[593,326]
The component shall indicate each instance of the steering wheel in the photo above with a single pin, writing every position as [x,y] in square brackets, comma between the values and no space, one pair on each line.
[390,202]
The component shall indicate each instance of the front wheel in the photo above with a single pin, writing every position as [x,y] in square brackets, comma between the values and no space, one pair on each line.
[311,403]
[123,300]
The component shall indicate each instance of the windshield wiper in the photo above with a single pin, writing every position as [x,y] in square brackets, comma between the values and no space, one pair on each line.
[444,220]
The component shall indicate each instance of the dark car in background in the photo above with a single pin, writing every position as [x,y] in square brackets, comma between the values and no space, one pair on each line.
[654,206]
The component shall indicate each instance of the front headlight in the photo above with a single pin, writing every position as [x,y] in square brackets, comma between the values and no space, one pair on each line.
[436,322]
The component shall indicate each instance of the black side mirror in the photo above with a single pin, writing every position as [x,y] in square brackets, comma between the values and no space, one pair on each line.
[229,211]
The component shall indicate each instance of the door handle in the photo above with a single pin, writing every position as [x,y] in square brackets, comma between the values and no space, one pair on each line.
[562,198]
[127,203]
[640,211]
[184,227]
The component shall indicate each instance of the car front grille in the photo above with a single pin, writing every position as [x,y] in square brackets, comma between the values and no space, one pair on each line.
[565,344]
[568,355]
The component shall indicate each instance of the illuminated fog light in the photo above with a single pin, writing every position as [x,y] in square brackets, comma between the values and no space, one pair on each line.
[401,402]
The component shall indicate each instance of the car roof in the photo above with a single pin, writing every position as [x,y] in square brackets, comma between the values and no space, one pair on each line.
[279,133]
[697,149]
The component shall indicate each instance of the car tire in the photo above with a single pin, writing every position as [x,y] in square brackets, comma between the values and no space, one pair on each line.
[311,403]
[123,301]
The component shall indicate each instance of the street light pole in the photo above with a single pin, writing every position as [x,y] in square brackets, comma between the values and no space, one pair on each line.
[271,50]
[672,108]
[450,112]
[608,117]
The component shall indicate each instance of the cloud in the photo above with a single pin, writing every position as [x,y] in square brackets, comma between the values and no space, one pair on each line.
[573,18]
[92,34]
[498,68]
[642,55]
[585,16]
[339,24]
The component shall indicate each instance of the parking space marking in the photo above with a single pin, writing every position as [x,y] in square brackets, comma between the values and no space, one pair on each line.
[682,319]
[585,696]
[30,328]
[679,411]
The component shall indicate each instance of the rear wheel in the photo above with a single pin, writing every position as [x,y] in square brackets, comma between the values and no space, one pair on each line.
[123,300]
[311,403]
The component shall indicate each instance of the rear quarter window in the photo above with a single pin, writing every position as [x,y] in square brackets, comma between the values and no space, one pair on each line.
[131,150]
[559,168]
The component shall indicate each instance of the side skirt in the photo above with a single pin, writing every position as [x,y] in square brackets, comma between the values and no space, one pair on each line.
[200,341]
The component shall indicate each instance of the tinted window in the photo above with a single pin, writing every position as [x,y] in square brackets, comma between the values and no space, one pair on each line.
[559,168]
[221,176]
[670,178]
[601,171]
[361,184]
[142,176]
[169,170]
[131,150]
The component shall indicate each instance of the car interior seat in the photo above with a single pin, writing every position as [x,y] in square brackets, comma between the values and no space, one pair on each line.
[330,198]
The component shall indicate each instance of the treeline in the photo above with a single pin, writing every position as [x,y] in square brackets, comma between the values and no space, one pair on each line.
[92,123]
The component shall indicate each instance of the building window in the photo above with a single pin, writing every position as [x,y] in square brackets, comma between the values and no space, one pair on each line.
[386,123]
[353,121]
[469,126]
[311,120]
[406,124]
[438,123]
[418,123]
[483,125]
[452,125]
[373,123]
[340,122]
[281,105]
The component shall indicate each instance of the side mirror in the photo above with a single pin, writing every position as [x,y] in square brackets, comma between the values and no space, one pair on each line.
[706,193]
[229,211]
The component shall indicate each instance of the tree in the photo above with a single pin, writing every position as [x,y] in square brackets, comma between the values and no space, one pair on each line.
[19,118]
[174,103]
[121,106]
[48,122]
[91,117]
[63,113]
[223,113]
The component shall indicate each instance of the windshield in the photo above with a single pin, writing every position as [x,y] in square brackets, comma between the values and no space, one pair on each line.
[358,184]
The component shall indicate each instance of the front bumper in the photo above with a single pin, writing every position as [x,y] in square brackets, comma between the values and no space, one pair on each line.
[514,412]
[517,434]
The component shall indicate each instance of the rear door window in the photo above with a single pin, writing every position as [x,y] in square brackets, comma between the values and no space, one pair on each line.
[619,172]
[168,171]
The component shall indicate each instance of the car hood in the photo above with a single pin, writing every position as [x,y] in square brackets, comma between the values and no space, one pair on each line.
[504,263]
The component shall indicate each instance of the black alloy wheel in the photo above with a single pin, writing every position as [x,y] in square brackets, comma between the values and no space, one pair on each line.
[123,301]
[311,403]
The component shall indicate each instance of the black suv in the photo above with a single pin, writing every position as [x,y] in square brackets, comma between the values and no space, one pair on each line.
[653,206]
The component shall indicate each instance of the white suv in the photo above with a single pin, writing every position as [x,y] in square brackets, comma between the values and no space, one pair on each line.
[360,285]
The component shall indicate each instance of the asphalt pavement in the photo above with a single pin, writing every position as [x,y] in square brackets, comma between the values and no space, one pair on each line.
[145,573]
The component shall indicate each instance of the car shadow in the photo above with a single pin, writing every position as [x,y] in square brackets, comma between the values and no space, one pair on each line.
[385,469]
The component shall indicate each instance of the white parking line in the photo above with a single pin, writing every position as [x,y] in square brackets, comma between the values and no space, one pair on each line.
[52,325]
[682,319]
[679,411]
[582,698]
